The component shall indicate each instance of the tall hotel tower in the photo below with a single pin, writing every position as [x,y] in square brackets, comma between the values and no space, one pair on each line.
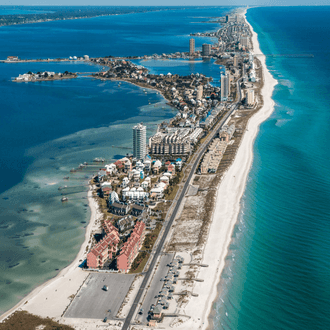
[139,141]
[225,86]
[191,46]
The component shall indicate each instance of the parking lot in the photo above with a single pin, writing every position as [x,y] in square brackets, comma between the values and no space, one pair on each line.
[155,286]
[95,303]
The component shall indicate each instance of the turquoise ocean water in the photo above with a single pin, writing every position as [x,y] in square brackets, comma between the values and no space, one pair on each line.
[277,274]
[47,128]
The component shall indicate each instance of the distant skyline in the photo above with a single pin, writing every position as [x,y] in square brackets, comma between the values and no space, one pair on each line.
[164,3]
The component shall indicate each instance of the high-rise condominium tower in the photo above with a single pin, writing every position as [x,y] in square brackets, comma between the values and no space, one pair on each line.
[139,141]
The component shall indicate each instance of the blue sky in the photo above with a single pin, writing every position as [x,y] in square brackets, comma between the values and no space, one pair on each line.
[163,2]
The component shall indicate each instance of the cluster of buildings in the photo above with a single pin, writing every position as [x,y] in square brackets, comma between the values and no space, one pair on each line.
[216,150]
[192,95]
[234,35]
[106,249]
[30,76]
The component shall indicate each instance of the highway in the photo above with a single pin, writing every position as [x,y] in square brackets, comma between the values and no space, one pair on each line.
[168,225]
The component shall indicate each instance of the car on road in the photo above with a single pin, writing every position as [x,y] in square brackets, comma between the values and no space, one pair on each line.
[105,319]
[105,288]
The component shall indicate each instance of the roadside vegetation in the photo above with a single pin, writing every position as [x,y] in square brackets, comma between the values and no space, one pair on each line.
[22,320]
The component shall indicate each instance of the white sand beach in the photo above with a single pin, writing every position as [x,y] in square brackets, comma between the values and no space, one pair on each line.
[227,209]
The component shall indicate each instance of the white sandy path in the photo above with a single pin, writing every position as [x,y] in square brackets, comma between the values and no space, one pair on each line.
[227,209]
[51,298]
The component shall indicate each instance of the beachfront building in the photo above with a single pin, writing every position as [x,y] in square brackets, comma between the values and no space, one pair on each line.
[106,248]
[213,157]
[225,86]
[191,46]
[131,247]
[139,141]
[226,133]
[250,97]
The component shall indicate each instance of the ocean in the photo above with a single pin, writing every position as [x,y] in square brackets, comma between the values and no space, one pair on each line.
[277,273]
[48,128]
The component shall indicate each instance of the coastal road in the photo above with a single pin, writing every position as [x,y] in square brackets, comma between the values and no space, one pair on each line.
[168,225]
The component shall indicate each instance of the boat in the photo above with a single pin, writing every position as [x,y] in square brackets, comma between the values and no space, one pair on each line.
[64,199]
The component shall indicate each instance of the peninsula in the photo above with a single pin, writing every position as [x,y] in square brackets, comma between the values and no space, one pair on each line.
[162,218]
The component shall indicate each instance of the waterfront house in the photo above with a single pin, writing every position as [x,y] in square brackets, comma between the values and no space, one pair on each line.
[113,197]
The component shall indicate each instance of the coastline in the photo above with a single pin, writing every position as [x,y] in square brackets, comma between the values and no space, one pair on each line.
[228,196]
[36,302]
[227,207]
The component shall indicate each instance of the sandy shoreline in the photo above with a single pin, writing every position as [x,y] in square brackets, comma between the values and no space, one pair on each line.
[227,207]
[65,284]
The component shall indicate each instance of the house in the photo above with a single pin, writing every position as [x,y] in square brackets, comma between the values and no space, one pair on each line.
[119,208]
[171,169]
[128,166]
[125,223]
[156,166]
[167,164]
[113,197]
[12,58]
[165,179]
[106,191]
[111,169]
[138,209]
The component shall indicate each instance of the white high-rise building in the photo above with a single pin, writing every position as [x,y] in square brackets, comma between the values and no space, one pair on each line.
[225,86]
[199,92]
[139,141]
[250,97]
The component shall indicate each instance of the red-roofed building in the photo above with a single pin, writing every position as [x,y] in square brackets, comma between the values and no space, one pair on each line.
[171,169]
[104,249]
[131,248]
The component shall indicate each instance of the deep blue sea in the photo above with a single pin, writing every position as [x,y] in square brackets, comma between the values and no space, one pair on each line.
[278,268]
[47,128]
